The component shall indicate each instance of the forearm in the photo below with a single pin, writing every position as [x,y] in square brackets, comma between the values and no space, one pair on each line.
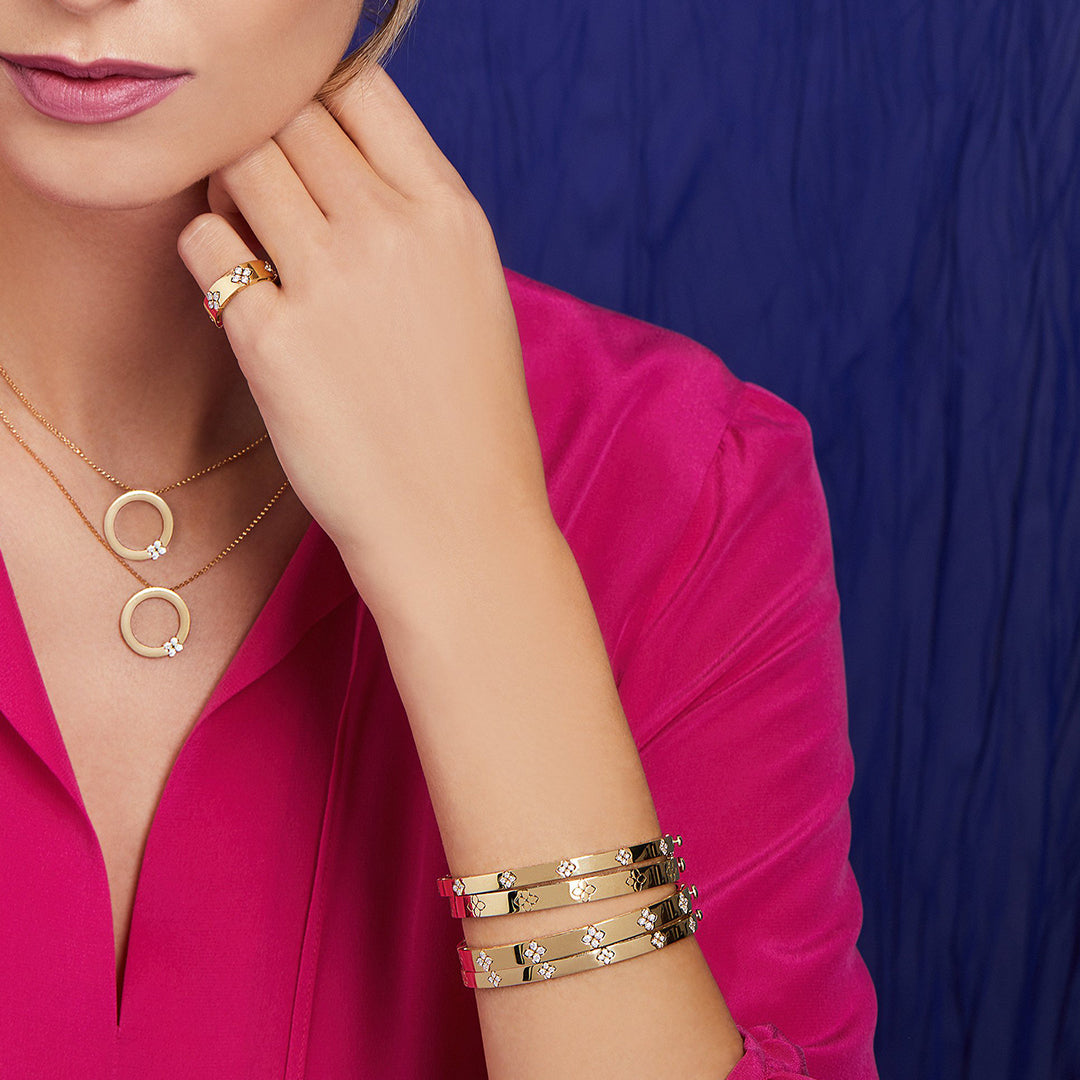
[528,757]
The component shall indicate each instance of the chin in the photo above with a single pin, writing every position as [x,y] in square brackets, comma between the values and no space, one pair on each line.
[97,179]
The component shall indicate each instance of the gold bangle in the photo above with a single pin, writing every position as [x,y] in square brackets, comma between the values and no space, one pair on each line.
[638,945]
[558,893]
[568,943]
[565,868]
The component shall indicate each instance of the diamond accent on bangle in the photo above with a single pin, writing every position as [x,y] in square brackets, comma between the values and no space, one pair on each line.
[535,951]
[507,879]
[624,856]
[459,886]
[546,970]
[593,936]
[658,941]
[647,918]
[494,978]
[665,847]
[605,956]
[691,925]
[567,868]
[525,901]
[684,903]
[582,891]
[484,961]
[636,880]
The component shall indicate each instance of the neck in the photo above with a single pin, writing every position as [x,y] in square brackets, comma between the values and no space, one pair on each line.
[102,327]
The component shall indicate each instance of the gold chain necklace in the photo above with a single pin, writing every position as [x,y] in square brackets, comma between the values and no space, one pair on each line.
[153,551]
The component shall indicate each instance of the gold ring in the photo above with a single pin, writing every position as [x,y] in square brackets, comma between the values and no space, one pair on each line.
[232,281]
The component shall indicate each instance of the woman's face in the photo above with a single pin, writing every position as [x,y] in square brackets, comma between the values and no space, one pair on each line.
[253,64]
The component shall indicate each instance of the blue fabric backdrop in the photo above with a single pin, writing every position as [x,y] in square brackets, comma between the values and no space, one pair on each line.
[873,210]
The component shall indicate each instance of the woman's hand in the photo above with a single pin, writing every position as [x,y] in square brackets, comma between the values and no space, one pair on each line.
[387,365]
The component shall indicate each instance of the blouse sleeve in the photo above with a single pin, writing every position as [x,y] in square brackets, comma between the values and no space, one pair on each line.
[734,688]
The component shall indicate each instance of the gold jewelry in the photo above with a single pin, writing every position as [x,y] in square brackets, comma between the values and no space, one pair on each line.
[232,281]
[157,548]
[568,943]
[638,945]
[176,643]
[558,893]
[565,868]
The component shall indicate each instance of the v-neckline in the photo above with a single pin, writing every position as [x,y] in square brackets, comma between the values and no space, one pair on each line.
[312,584]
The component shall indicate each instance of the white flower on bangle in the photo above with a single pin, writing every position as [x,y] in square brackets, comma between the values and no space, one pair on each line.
[593,936]
[459,886]
[484,961]
[546,970]
[582,891]
[605,956]
[535,951]
[507,879]
[647,918]
[658,941]
[624,856]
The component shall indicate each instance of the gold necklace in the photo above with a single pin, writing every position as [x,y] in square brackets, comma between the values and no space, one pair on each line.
[132,493]
[154,551]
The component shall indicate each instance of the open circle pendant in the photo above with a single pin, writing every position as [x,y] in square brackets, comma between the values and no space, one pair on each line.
[176,642]
[151,551]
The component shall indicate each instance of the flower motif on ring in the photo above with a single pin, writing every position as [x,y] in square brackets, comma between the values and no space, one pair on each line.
[242,275]
[535,951]
[269,267]
[213,300]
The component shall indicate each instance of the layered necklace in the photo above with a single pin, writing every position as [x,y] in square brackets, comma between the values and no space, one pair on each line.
[154,550]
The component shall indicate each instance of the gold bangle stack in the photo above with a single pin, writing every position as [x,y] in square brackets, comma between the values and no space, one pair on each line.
[576,880]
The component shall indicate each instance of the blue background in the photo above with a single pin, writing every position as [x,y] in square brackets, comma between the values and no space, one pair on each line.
[872,210]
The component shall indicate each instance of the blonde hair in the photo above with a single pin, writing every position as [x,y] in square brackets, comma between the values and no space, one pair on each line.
[390,17]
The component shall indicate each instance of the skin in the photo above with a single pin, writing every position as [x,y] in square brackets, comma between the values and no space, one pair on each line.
[387,369]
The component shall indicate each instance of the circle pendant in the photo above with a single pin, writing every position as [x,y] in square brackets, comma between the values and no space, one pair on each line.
[176,643]
[151,551]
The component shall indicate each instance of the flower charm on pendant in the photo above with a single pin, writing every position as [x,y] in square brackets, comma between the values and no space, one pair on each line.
[173,646]
[156,549]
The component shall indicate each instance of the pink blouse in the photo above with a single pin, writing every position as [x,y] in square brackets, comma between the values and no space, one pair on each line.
[265,941]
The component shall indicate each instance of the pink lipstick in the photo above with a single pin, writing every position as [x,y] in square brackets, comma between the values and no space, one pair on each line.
[94,93]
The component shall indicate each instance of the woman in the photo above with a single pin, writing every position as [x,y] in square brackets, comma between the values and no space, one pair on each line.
[513,580]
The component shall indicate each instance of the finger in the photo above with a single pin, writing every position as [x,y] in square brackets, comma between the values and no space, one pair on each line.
[211,248]
[274,202]
[382,124]
[331,168]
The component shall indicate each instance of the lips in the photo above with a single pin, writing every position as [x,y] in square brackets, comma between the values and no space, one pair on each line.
[104,90]
[97,69]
